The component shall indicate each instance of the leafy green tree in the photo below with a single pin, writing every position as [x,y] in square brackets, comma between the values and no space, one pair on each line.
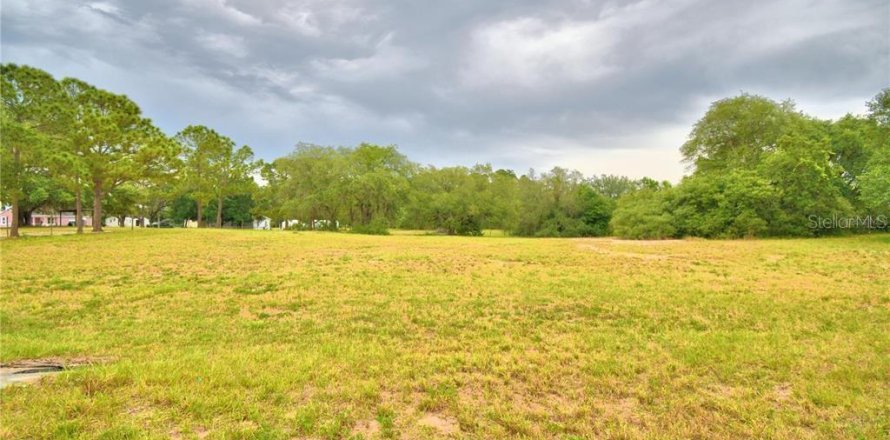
[739,203]
[879,108]
[645,214]
[121,202]
[376,183]
[182,208]
[503,199]
[761,168]
[117,145]
[807,182]
[450,199]
[156,192]
[266,196]
[736,132]
[852,145]
[307,184]
[561,203]
[612,186]
[595,211]
[199,146]
[32,119]
[876,188]
[875,180]
[238,209]
[231,172]
[533,205]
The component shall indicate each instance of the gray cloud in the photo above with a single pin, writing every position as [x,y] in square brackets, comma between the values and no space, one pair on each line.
[602,86]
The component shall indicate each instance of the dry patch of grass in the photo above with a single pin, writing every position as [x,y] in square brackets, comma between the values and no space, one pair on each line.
[269,334]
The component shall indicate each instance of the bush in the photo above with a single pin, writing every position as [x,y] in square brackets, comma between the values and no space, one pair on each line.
[467,225]
[730,204]
[644,215]
[376,227]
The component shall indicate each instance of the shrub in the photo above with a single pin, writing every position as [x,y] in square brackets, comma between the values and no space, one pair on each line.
[644,215]
[376,227]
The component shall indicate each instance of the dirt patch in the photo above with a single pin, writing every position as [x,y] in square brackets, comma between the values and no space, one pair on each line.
[441,423]
[722,391]
[609,251]
[647,242]
[201,432]
[366,428]
[782,392]
[625,409]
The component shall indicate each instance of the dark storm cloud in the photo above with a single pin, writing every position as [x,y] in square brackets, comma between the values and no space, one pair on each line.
[603,86]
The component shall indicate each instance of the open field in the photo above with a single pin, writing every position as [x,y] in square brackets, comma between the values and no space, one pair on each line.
[268,334]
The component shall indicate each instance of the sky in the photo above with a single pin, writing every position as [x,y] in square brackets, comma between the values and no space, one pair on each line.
[599,86]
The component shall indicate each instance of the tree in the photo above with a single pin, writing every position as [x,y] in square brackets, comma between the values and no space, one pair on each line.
[645,214]
[613,186]
[739,203]
[231,172]
[875,180]
[736,132]
[595,211]
[453,200]
[561,203]
[763,169]
[375,184]
[41,191]
[198,146]
[807,182]
[68,168]
[267,197]
[503,200]
[879,108]
[876,187]
[117,145]
[308,184]
[121,202]
[851,148]
[33,117]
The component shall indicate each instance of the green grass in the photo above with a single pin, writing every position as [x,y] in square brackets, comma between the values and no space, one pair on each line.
[268,334]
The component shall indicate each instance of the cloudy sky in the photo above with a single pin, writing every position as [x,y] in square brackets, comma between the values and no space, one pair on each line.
[599,86]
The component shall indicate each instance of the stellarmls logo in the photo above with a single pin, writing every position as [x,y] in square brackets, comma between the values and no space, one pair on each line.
[835,222]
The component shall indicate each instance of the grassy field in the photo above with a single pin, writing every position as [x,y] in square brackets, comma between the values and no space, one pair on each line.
[268,334]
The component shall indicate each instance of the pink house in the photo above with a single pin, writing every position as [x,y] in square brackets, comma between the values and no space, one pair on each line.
[62,218]
[6,217]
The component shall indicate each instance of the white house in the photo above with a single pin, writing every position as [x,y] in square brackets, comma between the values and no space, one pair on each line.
[285,224]
[262,223]
[128,222]
[316,224]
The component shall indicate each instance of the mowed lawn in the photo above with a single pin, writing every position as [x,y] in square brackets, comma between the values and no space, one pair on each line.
[269,334]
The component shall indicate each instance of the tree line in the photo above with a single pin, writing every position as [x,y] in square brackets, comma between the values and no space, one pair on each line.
[758,168]
[762,168]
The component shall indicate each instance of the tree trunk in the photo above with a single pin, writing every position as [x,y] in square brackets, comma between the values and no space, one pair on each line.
[219,203]
[200,210]
[26,217]
[97,207]
[14,222]
[78,209]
